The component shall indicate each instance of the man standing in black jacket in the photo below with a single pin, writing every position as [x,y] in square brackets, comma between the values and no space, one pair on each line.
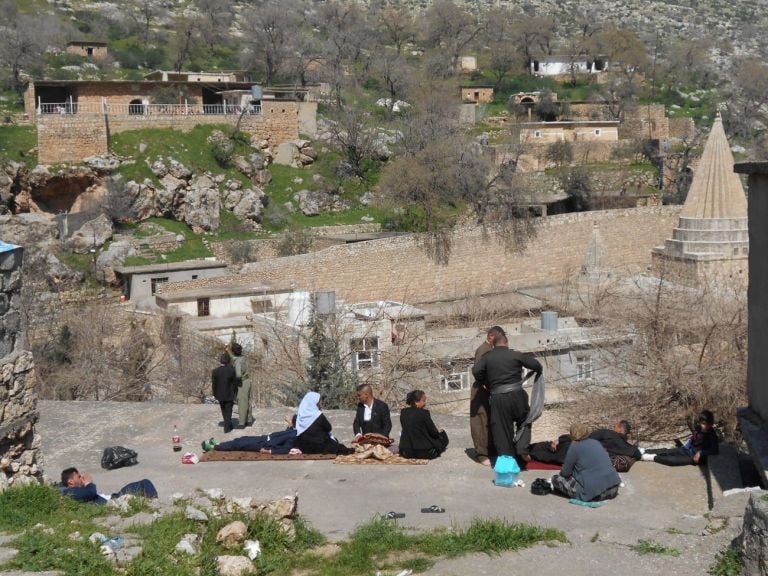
[501,372]
[224,382]
[372,414]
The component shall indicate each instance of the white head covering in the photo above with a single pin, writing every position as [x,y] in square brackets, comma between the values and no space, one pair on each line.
[309,411]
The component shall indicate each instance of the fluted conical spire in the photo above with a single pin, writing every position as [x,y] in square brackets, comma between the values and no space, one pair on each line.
[716,191]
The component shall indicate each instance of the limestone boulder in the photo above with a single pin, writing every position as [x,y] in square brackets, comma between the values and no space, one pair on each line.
[178,170]
[231,198]
[243,166]
[171,184]
[159,168]
[114,256]
[103,163]
[59,274]
[233,566]
[92,235]
[202,205]
[231,535]
[250,208]
[29,229]
[287,154]
[140,201]
[262,177]
[311,202]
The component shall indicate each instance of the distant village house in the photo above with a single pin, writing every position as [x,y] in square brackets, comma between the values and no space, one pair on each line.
[95,50]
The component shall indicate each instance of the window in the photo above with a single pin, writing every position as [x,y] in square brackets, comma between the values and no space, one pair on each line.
[89,51]
[455,381]
[194,276]
[597,131]
[537,134]
[365,352]
[155,282]
[477,95]
[203,306]
[584,367]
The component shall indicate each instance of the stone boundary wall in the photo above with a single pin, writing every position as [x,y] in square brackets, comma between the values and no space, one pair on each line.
[398,268]
[682,128]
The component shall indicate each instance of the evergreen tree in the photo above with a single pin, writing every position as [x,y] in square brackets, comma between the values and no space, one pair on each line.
[326,372]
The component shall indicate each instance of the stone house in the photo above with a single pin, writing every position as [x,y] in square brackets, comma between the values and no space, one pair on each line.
[571,354]
[95,50]
[477,94]
[141,283]
[561,66]
[226,76]
[569,131]
[75,119]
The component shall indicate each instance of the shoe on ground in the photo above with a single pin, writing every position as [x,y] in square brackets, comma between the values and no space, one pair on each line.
[208,445]
[484,460]
[648,457]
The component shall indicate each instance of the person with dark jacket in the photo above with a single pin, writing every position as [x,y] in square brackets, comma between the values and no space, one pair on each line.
[551,452]
[480,405]
[615,441]
[587,473]
[275,443]
[702,443]
[501,372]
[224,383]
[80,487]
[420,438]
[313,431]
[372,416]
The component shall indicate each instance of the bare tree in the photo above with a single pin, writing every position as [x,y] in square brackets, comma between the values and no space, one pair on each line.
[451,28]
[269,31]
[23,39]
[396,26]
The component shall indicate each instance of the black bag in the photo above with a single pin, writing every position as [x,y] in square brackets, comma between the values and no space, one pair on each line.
[117,457]
[541,487]
[622,463]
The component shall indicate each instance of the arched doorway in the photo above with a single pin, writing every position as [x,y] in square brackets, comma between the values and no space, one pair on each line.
[135,107]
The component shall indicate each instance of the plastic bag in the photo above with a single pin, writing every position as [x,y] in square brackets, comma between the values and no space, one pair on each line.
[117,457]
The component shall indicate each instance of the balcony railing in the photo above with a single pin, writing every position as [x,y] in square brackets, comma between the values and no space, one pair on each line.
[142,110]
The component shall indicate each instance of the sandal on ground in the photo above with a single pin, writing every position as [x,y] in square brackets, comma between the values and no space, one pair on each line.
[434,509]
[393,515]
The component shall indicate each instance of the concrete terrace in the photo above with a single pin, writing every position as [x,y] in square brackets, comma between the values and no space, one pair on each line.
[667,505]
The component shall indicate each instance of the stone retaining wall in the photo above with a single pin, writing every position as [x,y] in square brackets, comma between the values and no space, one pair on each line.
[399,269]
[19,445]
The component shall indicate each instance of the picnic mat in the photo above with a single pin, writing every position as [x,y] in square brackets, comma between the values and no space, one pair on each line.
[241,456]
[376,454]
[536,465]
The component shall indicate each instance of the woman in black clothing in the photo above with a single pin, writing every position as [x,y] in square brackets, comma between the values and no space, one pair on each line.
[313,429]
[420,438]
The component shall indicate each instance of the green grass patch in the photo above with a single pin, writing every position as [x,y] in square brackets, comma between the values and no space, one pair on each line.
[764,497]
[727,563]
[651,547]
[190,148]
[378,545]
[17,141]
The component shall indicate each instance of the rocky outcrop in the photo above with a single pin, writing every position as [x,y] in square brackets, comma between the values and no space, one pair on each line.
[114,256]
[295,153]
[92,235]
[314,202]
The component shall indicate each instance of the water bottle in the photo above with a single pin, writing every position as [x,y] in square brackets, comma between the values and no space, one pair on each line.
[176,439]
[506,470]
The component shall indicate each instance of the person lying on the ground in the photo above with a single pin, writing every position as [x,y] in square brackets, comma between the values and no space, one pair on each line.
[615,441]
[313,431]
[420,438]
[372,416]
[274,443]
[550,452]
[587,473]
[80,487]
[702,443]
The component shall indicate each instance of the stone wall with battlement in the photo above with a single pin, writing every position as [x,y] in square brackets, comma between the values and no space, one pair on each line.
[398,268]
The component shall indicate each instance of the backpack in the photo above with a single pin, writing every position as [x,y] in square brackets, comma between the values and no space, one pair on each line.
[117,457]
[622,463]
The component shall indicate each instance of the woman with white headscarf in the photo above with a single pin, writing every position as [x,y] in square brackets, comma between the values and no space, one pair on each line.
[313,429]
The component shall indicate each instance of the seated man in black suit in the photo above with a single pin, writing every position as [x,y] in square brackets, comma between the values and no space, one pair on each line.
[372,415]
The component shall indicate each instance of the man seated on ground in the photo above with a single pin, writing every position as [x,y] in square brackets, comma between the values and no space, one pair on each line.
[372,416]
[587,473]
[275,443]
[702,443]
[80,487]
[615,441]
